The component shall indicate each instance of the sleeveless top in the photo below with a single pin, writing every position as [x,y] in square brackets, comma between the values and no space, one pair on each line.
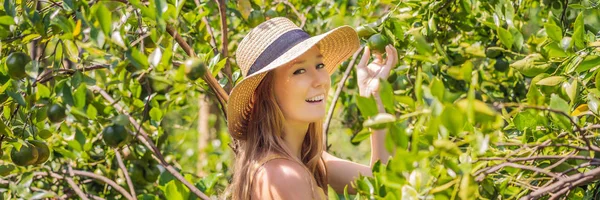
[317,192]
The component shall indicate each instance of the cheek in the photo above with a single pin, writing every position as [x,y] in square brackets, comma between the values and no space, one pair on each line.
[327,81]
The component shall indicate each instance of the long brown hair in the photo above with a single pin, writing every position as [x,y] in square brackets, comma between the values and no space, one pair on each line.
[263,135]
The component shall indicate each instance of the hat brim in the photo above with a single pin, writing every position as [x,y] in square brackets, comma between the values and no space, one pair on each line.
[335,46]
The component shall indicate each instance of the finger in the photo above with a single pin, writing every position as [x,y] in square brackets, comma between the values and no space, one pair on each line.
[390,62]
[364,59]
[391,56]
[378,58]
[395,51]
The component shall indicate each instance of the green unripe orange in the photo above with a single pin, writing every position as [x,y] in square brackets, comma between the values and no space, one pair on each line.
[115,135]
[377,43]
[6,169]
[15,63]
[56,113]
[270,14]
[501,64]
[255,18]
[194,68]
[27,155]
[43,151]
[151,173]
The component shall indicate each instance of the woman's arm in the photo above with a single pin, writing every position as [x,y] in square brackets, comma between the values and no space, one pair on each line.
[369,75]
[342,172]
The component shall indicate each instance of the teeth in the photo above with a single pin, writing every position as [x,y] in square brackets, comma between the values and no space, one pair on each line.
[316,98]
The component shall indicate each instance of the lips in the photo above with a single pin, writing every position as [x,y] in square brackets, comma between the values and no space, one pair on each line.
[316,99]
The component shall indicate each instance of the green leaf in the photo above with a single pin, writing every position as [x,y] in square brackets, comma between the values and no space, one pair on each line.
[78,112]
[146,12]
[65,153]
[551,81]
[5,86]
[558,103]
[553,51]
[380,121]
[526,119]
[576,6]
[104,17]
[505,37]
[79,96]
[360,136]
[571,89]
[160,7]
[91,112]
[528,66]
[386,93]
[155,57]
[367,106]
[244,7]
[593,104]
[590,62]
[10,7]
[4,130]
[421,44]
[453,119]
[553,31]
[437,88]
[137,58]
[578,39]
[6,20]
[42,91]
[17,97]
[71,50]
[332,195]
[156,114]
[175,190]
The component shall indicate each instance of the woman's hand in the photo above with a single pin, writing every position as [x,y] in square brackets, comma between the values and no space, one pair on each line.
[368,75]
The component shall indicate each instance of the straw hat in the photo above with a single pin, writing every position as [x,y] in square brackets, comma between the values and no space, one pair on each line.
[275,43]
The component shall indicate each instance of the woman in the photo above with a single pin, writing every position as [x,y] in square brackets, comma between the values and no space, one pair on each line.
[275,113]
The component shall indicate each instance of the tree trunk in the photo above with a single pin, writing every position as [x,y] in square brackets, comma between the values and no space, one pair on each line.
[203,133]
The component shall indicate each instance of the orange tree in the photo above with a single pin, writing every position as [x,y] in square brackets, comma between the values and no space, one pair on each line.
[491,99]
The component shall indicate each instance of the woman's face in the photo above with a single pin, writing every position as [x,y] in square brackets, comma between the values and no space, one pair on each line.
[301,87]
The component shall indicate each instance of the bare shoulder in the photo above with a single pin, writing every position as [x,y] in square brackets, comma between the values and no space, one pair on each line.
[282,179]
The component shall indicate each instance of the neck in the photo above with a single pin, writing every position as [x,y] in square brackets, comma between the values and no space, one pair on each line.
[294,133]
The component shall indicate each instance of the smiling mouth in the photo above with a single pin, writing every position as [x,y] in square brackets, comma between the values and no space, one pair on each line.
[316,99]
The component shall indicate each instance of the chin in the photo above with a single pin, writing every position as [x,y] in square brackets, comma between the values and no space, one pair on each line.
[315,117]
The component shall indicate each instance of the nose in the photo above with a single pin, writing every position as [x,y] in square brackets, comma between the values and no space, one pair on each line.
[321,79]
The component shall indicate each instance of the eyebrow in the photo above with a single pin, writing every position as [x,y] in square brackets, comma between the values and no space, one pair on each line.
[297,62]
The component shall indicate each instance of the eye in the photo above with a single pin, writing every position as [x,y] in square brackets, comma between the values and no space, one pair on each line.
[299,71]
[320,66]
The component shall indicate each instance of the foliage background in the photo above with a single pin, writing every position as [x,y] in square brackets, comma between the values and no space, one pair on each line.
[467,127]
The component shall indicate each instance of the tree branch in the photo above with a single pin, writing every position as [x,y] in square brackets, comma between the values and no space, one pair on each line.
[563,15]
[127,178]
[544,157]
[577,127]
[105,180]
[49,74]
[573,181]
[145,139]
[213,41]
[301,17]
[338,91]
[483,172]
[76,188]
[224,52]
[544,145]
[222,96]
[62,175]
